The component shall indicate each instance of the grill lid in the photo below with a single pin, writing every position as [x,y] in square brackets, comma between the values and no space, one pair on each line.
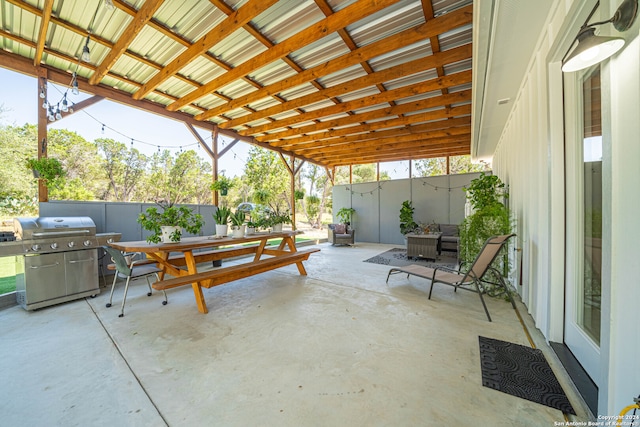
[47,227]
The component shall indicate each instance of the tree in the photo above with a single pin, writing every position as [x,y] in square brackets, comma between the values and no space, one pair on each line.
[124,169]
[85,176]
[438,166]
[264,171]
[18,188]
[183,179]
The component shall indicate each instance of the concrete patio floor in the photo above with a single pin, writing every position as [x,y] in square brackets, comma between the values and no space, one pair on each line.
[339,347]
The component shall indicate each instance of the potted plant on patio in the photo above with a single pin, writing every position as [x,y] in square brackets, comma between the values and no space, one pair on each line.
[490,217]
[221,217]
[345,215]
[167,225]
[407,223]
[222,184]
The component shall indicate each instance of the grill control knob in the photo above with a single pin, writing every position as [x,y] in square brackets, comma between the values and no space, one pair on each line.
[54,246]
[35,247]
[87,243]
[71,244]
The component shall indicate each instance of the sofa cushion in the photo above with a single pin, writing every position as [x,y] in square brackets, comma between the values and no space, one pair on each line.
[448,230]
[340,229]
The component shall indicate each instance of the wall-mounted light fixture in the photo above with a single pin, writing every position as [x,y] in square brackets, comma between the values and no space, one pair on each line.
[592,49]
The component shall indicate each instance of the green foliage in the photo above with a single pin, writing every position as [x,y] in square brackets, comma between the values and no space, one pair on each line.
[407,223]
[312,206]
[152,220]
[237,218]
[298,194]
[221,215]
[490,218]
[124,168]
[48,168]
[438,166]
[486,190]
[345,214]
[11,205]
[222,184]
[266,174]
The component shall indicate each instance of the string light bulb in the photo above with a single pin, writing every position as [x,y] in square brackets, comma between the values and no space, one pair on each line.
[86,53]
[108,4]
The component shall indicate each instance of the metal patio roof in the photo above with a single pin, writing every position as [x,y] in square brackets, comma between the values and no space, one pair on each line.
[334,82]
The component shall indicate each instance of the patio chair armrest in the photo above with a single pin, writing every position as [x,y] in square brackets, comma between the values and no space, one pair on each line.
[450,270]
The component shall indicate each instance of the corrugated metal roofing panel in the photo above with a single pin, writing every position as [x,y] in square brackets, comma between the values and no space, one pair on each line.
[286,18]
[298,91]
[321,51]
[238,48]
[190,18]
[272,73]
[412,79]
[361,93]
[391,20]
[152,45]
[342,76]
[412,52]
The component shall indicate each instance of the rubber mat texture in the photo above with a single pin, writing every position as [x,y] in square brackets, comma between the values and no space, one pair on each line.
[522,372]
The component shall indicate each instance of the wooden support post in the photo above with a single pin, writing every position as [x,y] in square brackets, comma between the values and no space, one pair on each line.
[214,163]
[350,174]
[43,191]
[378,171]
[448,165]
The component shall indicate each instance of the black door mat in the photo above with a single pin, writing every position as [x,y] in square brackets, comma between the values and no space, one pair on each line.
[521,371]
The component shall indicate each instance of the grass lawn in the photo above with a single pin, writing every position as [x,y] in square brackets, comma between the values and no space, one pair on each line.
[7,275]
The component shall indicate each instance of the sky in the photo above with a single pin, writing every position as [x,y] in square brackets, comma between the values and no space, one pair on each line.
[19,98]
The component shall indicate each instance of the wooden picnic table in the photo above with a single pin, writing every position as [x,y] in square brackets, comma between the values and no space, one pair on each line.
[194,250]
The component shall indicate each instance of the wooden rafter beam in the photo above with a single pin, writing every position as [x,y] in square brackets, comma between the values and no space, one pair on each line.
[142,17]
[380,142]
[341,19]
[410,107]
[359,160]
[439,25]
[452,80]
[439,125]
[232,23]
[42,33]
[393,73]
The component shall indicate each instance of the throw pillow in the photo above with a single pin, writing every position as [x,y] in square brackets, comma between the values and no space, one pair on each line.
[340,229]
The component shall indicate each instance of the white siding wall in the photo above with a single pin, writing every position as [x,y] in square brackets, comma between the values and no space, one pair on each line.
[530,158]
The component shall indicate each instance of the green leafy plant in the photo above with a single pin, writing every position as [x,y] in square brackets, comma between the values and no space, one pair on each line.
[345,214]
[298,194]
[237,218]
[153,220]
[222,184]
[47,168]
[407,223]
[490,217]
[221,216]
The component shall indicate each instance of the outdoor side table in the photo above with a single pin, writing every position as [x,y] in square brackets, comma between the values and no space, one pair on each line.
[423,245]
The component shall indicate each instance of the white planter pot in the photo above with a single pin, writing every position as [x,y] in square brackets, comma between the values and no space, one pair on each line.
[251,230]
[222,229]
[168,231]
[236,231]
[277,228]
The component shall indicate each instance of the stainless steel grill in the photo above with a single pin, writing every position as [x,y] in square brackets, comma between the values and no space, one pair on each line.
[60,259]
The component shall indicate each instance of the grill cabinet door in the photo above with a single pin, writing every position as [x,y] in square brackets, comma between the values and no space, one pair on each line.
[81,271]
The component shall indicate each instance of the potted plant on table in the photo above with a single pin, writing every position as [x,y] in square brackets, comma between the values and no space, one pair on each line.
[167,225]
[221,217]
[222,184]
[237,224]
[277,219]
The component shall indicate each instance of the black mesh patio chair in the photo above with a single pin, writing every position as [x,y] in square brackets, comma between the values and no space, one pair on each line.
[471,279]
[128,270]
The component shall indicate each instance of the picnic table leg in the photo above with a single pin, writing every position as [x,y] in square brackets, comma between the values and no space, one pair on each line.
[292,248]
[260,250]
[197,289]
